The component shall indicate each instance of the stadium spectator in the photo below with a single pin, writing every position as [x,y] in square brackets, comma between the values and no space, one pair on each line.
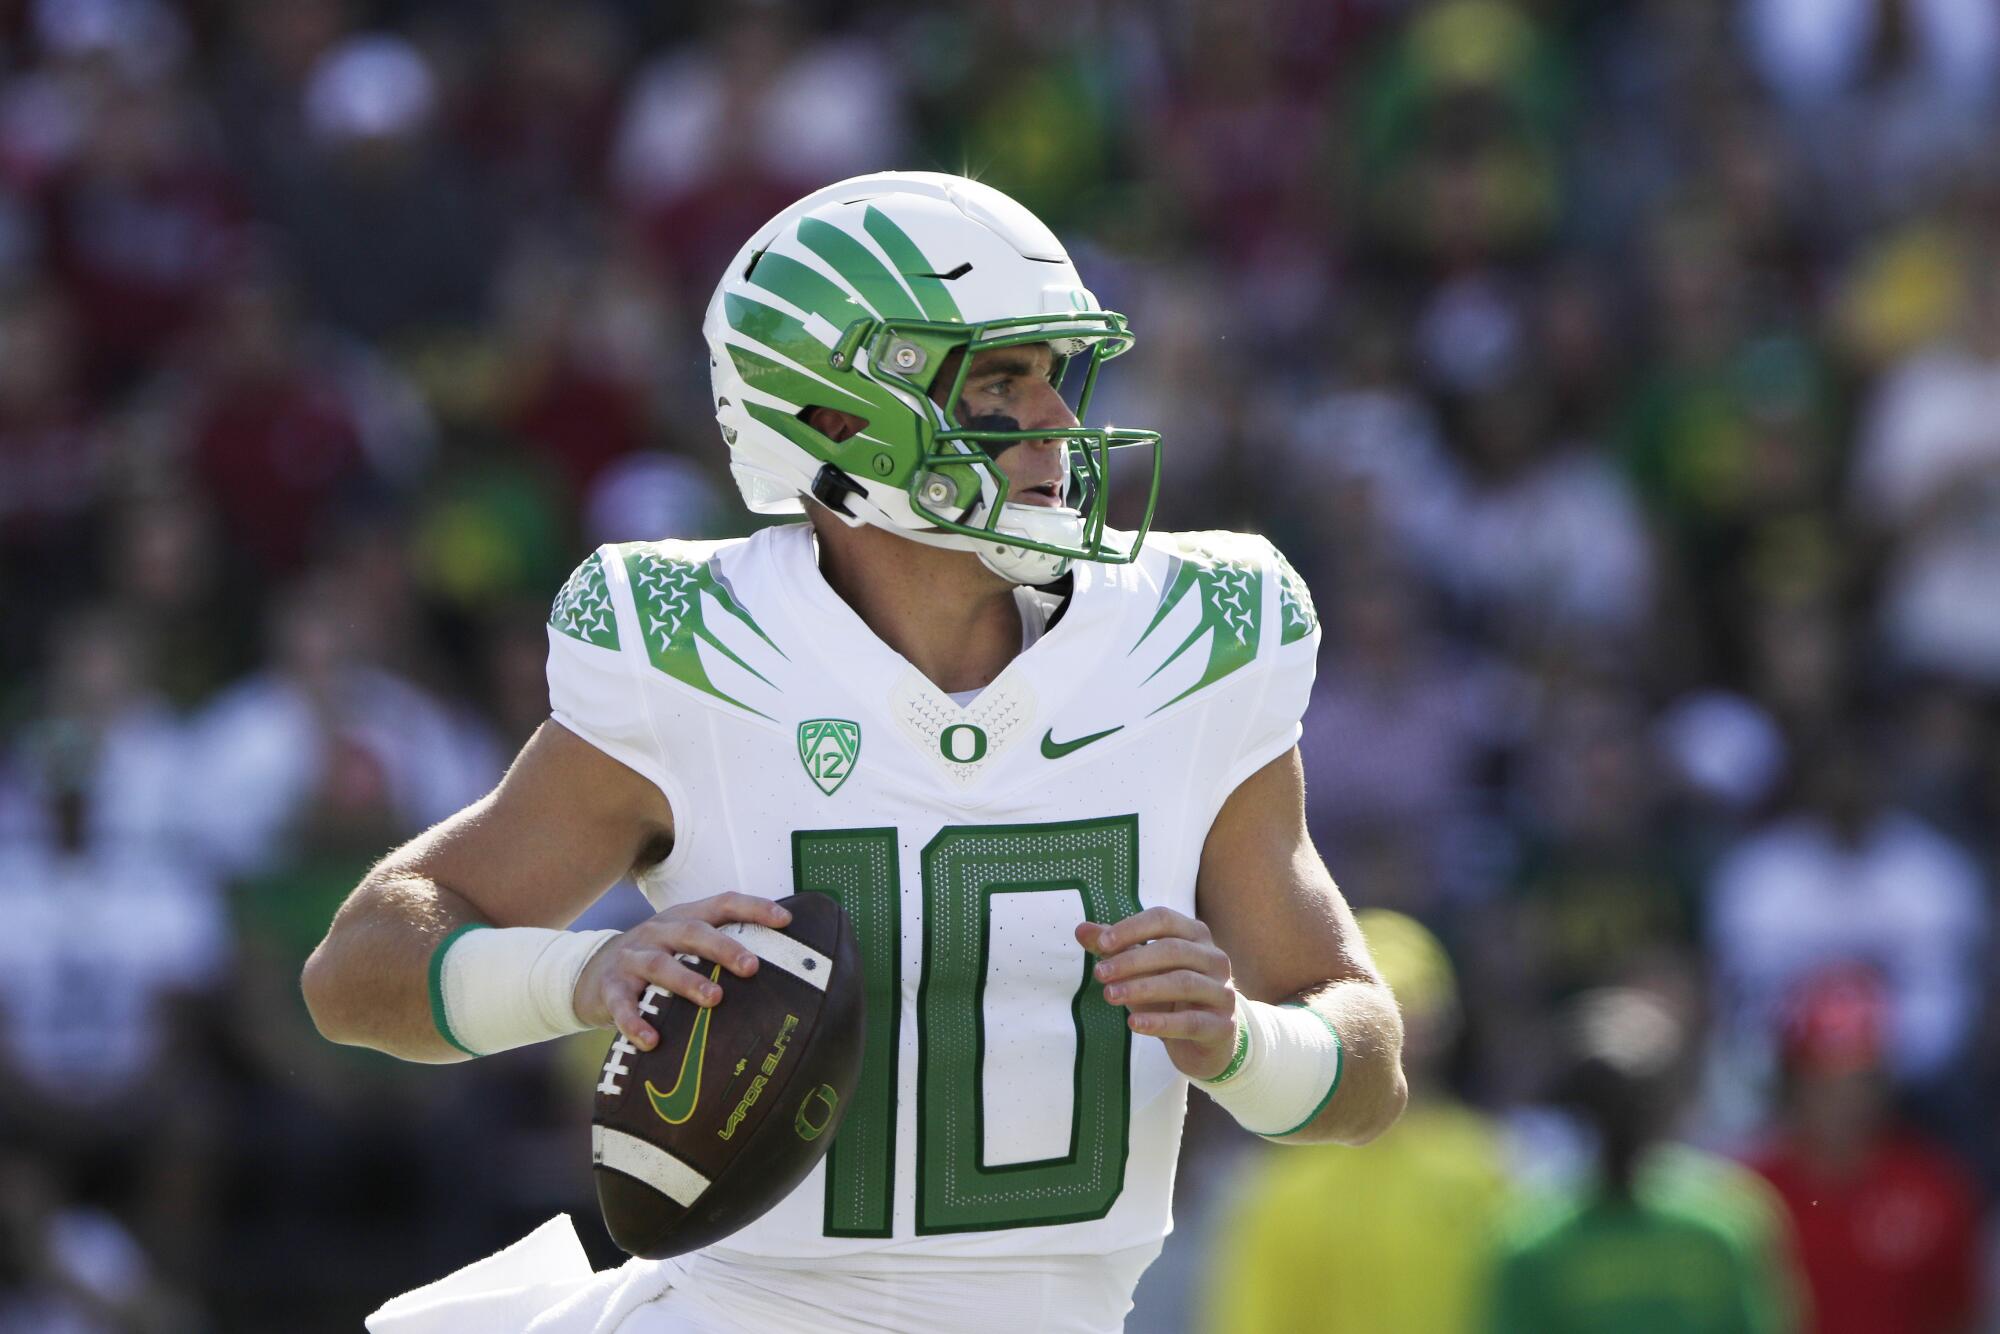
[1928,477]
[324,748]
[103,734]
[1942,738]
[651,492]
[719,137]
[1887,1223]
[1241,131]
[1371,451]
[1605,884]
[114,938]
[67,1268]
[265,55]
[1394,1240]
[139,224]
[1659,1237]
[1029,97]
[288,427]
[1393,689]
[541,123]
[1455,135]
[1548,540]
[1889,93]
[393,234]
[1845,876]
[56,455]
[189,609]
[585,343]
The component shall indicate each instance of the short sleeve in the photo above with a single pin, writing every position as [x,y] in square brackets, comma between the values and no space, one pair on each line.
[593,691]
[1286,664]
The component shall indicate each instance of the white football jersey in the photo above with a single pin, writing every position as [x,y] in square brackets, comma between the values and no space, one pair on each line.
[1004,1108]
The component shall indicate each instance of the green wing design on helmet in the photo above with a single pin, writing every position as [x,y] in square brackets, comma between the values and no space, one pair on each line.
[801,371]
[856,263]
[583,609]
[930,291]
[676,589]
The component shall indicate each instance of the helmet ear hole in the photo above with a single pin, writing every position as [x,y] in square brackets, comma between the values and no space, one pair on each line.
[832,423]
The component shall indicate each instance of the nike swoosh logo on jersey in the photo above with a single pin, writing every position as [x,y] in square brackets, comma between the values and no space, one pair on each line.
[677,1103]
[1053,749]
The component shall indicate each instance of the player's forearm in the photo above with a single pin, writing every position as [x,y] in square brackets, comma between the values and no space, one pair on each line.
[367,985]
[1371,1092]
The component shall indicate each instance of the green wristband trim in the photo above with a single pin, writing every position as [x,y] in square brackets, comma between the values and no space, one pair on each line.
[1339,1066]
[1235,1061]
[437,985]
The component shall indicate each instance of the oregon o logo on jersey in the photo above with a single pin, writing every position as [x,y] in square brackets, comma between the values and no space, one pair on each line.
[828,748]
[963,743]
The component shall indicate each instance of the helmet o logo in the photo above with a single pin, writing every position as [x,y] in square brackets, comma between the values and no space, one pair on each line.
[962,743]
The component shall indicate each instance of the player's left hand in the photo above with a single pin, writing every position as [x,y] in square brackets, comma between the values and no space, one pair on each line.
[1166,971]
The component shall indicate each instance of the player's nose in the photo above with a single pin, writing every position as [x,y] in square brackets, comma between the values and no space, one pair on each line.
[1047,410]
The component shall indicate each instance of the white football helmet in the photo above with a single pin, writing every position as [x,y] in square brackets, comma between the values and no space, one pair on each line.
[854,298]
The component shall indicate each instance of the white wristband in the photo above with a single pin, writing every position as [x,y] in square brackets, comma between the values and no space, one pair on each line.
[1286,1068]
[496,988]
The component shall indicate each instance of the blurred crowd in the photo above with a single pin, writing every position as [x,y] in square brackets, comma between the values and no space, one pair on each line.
[1622,375]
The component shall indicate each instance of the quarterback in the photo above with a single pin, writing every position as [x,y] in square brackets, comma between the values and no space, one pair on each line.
[1048,768]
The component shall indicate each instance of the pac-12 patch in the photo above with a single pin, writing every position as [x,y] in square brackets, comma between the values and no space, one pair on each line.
[828,747]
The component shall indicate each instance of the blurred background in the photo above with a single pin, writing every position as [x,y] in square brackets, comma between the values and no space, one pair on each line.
[1623,376]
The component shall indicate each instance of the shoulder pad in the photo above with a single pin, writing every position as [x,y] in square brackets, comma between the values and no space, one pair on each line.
[1213,589]
[682,601]
[583,608]
[1297,615]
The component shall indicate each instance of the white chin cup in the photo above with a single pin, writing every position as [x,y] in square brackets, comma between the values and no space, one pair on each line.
[1018,565]
[1037,523]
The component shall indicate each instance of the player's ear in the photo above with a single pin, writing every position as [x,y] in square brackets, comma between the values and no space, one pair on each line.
[834,424]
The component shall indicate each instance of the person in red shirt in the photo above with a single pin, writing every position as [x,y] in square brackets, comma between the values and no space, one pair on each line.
[1887,1222]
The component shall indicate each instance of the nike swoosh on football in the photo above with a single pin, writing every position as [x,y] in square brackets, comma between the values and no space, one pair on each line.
[676,1105]
[1053,749]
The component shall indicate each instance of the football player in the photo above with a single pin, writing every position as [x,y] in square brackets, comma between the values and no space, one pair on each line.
[1047,766]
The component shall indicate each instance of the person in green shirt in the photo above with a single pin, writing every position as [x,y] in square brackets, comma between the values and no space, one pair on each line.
[1661,1239]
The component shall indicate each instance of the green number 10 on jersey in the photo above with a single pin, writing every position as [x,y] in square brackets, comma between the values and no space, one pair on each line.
[965,868]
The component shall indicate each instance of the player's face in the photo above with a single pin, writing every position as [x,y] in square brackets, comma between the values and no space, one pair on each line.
[1009,388]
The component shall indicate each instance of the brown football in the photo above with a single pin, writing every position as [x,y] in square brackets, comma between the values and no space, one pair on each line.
[735,1104]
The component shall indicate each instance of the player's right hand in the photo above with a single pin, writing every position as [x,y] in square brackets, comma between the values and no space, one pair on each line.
[611,984]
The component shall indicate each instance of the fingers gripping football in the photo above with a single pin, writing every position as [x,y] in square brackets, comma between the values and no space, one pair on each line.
[654,952]
[1173,980]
